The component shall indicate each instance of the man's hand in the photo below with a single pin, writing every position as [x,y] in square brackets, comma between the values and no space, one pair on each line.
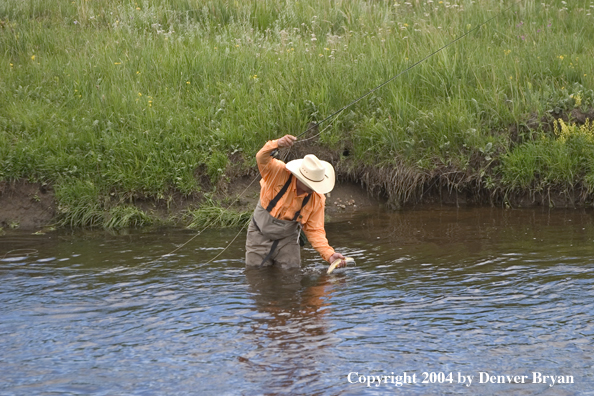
[335,257]
[286,141]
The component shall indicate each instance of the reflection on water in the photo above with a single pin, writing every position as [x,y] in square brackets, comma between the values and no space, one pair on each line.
[462,291]
[288,314]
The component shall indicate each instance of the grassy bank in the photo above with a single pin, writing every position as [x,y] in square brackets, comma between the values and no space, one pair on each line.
[110,102]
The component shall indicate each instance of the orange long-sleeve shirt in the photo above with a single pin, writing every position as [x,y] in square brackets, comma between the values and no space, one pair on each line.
[274,176]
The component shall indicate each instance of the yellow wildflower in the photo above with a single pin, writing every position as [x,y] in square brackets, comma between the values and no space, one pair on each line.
[139,94]
[565,131]
[117,63]
[33,57]
[187,82]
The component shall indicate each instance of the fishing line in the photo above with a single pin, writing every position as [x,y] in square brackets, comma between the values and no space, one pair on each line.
[232,203]
[26,252]
[208,225]
[335,114]
[405,70]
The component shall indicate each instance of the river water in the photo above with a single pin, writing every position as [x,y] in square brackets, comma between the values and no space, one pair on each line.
[446,295]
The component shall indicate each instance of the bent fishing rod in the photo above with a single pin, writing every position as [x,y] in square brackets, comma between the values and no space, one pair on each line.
[336,114]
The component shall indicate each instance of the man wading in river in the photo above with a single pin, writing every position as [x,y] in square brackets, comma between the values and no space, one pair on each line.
[291,198]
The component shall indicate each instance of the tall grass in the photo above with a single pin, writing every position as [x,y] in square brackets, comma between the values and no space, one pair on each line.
[210,214]
[134,97]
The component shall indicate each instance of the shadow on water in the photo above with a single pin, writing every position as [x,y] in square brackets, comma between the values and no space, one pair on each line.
[434,290]
[290,335]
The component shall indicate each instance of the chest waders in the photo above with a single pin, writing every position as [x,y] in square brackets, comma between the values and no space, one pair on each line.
[276,229]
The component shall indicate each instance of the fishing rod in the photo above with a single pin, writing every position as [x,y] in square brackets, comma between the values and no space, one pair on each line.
[231,204]
[275,152]
[337,112]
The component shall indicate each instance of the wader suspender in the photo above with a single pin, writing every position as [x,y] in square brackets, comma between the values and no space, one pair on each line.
[271,206]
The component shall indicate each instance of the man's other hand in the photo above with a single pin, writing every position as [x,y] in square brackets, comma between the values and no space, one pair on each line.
[286,141]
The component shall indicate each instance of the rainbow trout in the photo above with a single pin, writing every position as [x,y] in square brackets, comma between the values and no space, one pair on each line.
[335,263]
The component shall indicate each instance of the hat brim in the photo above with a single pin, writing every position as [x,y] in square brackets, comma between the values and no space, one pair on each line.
[321,187]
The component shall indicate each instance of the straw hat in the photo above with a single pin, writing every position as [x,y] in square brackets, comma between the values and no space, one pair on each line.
[317,175]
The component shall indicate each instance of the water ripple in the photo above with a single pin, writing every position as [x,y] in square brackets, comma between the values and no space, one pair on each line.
[100,316]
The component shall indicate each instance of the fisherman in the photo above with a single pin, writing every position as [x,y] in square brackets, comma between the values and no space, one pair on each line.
[291,199]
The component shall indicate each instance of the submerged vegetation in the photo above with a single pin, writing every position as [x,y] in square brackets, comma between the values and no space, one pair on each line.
[114,101]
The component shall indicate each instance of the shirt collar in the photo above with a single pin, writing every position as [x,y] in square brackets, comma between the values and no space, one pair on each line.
[294,188]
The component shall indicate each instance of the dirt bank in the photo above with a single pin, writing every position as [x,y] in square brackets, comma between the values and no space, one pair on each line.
[26,205]
[31,206]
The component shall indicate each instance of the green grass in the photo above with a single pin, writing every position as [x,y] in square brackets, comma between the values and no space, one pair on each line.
[212,215]
[110,101]
[564,159]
